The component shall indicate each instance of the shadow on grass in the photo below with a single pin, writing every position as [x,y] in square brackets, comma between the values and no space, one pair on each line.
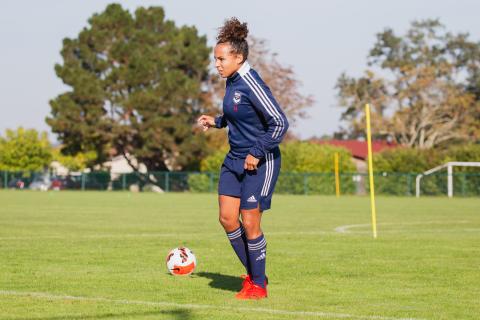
[221,281]
[177,314]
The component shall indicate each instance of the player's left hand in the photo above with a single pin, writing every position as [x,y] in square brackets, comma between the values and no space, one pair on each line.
[206,122]
[251,163]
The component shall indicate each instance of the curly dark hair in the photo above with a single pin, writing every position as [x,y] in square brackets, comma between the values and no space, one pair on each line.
[235,33]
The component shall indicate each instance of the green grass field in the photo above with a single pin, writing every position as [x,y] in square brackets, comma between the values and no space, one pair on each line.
[100,255]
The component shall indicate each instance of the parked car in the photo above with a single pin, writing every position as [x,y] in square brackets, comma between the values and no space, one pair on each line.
[58,183]
[41,183]
[73,182]
[17,183]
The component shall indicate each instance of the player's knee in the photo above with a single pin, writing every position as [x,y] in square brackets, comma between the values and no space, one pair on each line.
[251,226]
[227,222]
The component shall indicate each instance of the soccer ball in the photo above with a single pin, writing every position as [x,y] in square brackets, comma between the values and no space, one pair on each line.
[181,261]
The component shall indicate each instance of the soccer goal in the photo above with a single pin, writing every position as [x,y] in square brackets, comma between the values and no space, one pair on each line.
[449,166]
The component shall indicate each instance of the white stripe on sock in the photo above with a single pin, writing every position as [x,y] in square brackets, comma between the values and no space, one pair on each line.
[235,234]
[256,246]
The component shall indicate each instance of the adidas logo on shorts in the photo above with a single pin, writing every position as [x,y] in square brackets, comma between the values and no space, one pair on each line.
[252,199]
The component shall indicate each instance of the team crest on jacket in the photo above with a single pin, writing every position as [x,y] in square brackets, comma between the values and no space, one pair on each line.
[237,97]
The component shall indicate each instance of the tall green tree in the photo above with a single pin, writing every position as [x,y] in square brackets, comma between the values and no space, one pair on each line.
[24,150]
[423,86]
[135,88]
[77,162]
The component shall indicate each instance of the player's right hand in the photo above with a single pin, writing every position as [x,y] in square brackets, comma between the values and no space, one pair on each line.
[206,122]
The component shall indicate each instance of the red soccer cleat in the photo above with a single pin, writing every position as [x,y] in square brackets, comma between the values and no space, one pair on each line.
[254,292]
[247,279]
[247,282]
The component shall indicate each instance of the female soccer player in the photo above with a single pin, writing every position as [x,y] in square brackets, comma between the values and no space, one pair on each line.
[256,125]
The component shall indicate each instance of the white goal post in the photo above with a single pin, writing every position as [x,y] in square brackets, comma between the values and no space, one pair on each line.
[449,166]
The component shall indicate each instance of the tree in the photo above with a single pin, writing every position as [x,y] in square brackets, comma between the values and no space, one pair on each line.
[24,150]
[424,91]
[77,162]
[135,90]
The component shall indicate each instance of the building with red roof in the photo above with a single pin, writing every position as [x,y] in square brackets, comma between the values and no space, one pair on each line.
[359,149]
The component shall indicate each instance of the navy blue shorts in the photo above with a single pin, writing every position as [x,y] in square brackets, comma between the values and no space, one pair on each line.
[253,187]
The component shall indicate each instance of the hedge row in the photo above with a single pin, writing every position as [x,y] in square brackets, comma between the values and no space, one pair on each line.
[306,169]
[407,160]
[398,168]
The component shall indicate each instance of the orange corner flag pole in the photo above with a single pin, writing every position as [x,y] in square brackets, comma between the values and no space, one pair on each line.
[370,171]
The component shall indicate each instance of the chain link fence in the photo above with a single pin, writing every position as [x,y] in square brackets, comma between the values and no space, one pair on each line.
[386,183]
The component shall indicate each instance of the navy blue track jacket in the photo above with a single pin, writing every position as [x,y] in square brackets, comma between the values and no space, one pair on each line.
[256,123]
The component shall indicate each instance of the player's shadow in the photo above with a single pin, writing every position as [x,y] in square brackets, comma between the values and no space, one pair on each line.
[177,314]
[221,281]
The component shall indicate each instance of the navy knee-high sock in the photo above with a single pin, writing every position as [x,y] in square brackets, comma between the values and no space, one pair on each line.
[257,252]
[238,240]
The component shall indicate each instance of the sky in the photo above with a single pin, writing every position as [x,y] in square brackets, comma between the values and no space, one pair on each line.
[319,39]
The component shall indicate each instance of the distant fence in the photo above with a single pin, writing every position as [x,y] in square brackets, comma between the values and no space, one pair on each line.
[386,183]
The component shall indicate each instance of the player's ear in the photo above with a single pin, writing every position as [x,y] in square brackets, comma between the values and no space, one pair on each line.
[239,58]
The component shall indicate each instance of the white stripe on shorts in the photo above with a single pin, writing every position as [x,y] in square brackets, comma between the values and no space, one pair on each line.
[268,174]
